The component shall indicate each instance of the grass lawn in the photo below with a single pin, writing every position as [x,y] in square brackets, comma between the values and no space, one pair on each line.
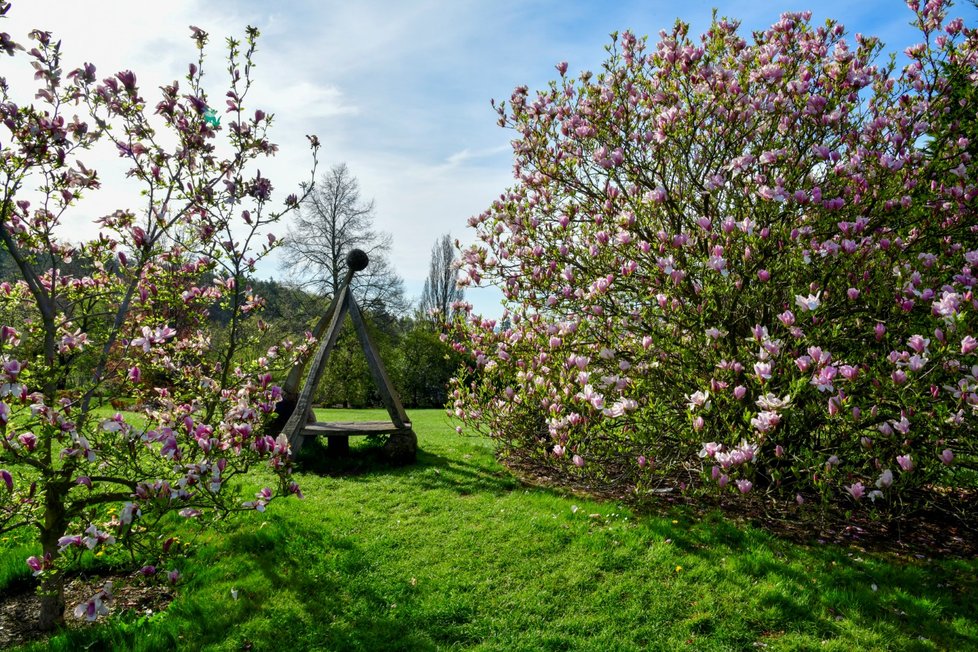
[452,553]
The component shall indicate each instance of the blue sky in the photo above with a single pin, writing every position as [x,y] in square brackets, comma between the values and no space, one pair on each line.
[399,90]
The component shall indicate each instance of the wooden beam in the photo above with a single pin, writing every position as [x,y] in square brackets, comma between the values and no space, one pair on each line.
[297,421]
[387,392]
[290,388]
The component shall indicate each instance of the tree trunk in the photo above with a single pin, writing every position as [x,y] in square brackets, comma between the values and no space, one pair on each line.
[52,593]
[52,598]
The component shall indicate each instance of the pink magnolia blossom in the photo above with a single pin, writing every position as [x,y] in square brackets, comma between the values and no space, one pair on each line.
[879,330]
[763,370]
[856,489]
[823,379]
[918,343]
[833,406]
[849,372]
[710,449]
[773,403]
[11,368]
[766,422]
[35,565]
[96,605]
[699,400]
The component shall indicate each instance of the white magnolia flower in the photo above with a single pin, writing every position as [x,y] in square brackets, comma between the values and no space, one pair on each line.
[698,400]
[772,403]
[811,302]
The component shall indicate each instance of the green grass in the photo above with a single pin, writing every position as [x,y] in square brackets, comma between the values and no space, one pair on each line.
[452,553]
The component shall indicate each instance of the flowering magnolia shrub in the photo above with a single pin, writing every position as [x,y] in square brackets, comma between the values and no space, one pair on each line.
[739,265]
[128,310]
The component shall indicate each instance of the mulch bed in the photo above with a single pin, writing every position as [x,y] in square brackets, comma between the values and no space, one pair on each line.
[19,605]
[948,527]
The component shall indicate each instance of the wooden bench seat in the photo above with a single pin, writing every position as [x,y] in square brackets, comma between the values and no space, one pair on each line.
[352,428]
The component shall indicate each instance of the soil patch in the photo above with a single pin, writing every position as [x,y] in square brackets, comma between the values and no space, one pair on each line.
[131,594]
[946,527]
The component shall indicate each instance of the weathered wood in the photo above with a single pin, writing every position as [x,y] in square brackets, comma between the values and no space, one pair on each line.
[402,442]
[293,382]
[387,392]
[352,428]
[290,388]
[401,447]
[304,402]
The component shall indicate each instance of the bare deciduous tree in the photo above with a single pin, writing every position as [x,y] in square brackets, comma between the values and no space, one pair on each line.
[335,219]
[440,289]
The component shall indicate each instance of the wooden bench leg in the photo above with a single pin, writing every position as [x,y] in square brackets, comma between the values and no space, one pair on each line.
[338,446]
[401,447]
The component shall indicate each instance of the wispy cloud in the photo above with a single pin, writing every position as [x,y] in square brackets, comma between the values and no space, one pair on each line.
[466,155]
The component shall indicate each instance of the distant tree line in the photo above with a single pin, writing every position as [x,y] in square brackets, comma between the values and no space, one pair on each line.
[334,219]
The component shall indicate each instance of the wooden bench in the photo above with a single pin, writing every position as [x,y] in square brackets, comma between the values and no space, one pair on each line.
[402,444]
[338,433]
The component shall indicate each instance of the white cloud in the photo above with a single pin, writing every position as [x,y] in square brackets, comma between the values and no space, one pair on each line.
[305,100]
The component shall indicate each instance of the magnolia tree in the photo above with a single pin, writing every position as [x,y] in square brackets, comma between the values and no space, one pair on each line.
[81,478]
[739,265]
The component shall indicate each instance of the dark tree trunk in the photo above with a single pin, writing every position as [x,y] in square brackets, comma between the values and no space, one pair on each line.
[52,594]
[52,602]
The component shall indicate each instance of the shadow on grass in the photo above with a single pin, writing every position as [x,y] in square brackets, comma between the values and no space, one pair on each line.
[364,457]
[430,471]
[326,603]
[322,606]
[822,586]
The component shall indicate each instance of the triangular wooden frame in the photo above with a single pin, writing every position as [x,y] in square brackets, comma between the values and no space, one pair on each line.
[402,443]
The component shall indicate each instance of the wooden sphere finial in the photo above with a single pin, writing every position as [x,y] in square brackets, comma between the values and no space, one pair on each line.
[357,260]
